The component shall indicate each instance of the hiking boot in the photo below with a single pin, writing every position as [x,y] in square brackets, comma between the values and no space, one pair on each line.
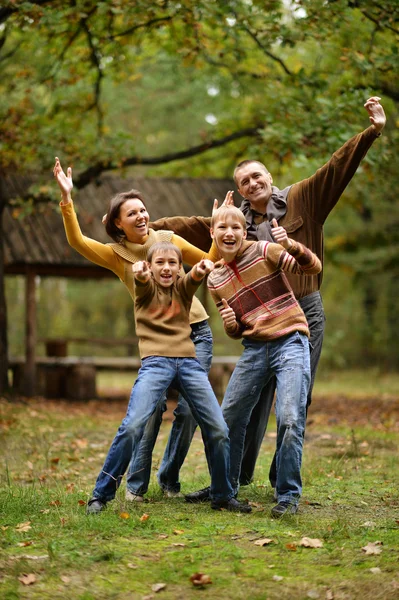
[232,505]
[130,497]
[94,506]
[203,495]
[283,508]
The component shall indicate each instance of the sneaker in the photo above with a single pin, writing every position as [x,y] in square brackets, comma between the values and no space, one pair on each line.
[203,495]
[94,506]
[232,505]
[172,494]
[130,497]
[283,508]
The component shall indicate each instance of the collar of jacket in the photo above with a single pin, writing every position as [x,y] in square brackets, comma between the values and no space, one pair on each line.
[276,209]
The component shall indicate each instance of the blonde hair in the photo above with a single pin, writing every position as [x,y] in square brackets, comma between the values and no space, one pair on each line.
[223,211]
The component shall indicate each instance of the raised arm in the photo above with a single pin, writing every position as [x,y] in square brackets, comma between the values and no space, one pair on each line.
[289,255]
[319,193]
[96,252]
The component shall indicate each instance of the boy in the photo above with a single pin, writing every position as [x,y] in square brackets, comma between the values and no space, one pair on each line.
[162,304]
[256,303]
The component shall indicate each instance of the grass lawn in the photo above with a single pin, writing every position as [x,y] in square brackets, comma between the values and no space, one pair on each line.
[52,452]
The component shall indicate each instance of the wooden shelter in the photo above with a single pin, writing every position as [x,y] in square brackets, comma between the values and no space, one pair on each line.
[36,244]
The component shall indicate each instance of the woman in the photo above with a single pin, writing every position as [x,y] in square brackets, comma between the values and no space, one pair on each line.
[126,222]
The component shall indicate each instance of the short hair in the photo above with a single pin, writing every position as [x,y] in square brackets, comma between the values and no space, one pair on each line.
[225,210]
[113,213]
[163,247]
[244,163]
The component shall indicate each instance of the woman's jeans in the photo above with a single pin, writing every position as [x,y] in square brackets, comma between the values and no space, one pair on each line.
[156,375]
[312,306]
[180,435]
[287,359]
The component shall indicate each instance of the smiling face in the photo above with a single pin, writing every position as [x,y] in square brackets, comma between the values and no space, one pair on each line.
[228,232]
[254,183]
[165,266]
[133,219]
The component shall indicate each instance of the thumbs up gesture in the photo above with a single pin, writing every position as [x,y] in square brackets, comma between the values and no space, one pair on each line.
[280,235]
[141,271]
[228,315]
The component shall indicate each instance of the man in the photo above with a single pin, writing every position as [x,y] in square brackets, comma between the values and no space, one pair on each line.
[302,210]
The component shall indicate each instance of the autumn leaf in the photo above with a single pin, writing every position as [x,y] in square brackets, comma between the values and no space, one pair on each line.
[55,460]
[27,579]
[311,542]
[65,579]
[375,570]
[372,548]
[81,502]
[178,531]
[144,517]
[157,587]
[22,527]
[178,545]
[162,536]
[199,579]
[26,543]
[55,503]
[263,542]
[124,515]
[291,546]
[277,578]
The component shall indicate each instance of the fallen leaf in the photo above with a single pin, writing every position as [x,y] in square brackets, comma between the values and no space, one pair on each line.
[29,465]
[65,579]
[21,527]
[329,595]
[375,570]
[4,527]
[63,521]
[144,517]
[70,487]
[372,548]
[45,511]
[263,542]
[80,443]
[277,578]
[291,546]
[55,503]
[132,566]
[23,544]
[27,579]
[162,536]
[178,531]
[311,542]
[148,597]
[81,502]
[55,460]
[199,579]
[124,515]
[179,545]
[157,587]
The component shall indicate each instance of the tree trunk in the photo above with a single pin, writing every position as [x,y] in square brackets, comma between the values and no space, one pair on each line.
[3,314]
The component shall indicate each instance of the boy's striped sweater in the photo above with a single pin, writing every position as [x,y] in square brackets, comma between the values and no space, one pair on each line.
[256,288]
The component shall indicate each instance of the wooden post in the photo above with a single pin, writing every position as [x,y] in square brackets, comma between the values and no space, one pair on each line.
[30,333]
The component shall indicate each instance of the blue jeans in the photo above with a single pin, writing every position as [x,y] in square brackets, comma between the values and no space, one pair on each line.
[312,306]
[180,435]
[288,360]
[156,375]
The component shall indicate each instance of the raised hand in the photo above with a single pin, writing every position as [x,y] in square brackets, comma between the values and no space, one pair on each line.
[280,235]
[376,113]
[141,271]
[204,267]
[228,201]
[64,181]
[228,316]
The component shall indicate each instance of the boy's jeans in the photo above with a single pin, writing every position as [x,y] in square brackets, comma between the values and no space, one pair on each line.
[288,359]
[180,435]
[157,373]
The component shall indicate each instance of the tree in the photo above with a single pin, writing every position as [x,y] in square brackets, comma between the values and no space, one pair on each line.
[115,85]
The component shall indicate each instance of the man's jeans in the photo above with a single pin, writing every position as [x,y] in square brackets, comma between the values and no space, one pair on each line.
[312,306]
[156,375]
[180,435]
[288,360]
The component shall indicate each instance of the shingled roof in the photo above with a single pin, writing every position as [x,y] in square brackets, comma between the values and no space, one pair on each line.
[38,240]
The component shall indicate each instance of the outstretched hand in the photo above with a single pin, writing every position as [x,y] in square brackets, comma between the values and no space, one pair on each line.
[228,201]
[228,315]
[141,271]
[64,181]
[280,235]
[376,113]
[204,267]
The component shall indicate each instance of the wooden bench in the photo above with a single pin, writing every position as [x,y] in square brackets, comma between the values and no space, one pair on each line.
[74,377]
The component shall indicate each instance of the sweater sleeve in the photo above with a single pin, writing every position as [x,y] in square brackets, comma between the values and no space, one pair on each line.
[195,230]
[298,260]
[96,252]
[237,333]
[321,192]
[191,254]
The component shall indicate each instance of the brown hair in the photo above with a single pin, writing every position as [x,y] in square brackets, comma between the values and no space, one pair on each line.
[244,163]
[233,210]
[113,213]
[163,247]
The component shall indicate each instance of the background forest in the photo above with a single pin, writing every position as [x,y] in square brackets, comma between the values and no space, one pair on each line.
[188,88]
